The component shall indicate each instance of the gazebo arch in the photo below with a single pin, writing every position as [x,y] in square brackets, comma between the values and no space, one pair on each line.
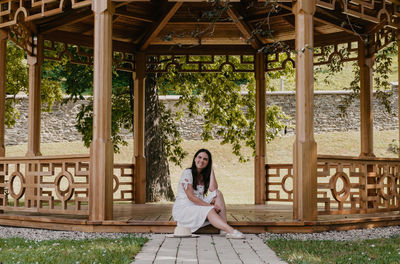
[137,29]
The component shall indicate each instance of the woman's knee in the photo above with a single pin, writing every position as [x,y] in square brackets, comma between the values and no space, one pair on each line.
[219,194]
[211,212]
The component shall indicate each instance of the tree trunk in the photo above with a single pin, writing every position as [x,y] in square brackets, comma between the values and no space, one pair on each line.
[158,182]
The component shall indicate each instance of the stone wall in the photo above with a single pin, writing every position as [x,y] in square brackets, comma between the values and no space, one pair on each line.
[59,125]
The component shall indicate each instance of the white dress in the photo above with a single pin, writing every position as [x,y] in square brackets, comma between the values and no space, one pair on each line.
[185,212]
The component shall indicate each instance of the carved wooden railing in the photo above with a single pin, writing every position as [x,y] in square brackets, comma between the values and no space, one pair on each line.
[124,183]
[345,185]
[55,184]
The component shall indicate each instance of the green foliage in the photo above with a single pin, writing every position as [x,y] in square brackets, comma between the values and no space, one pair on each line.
[172,137]
[17,70]
[102,250]
[382,69]
[394,146]
[51,85]
[384,250]
[121,115]
[227,107]
[17,81]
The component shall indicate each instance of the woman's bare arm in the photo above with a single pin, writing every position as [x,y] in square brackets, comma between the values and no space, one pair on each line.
[196,200]
[213,181]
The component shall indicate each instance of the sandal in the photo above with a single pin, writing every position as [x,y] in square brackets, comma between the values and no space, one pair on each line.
[235,235]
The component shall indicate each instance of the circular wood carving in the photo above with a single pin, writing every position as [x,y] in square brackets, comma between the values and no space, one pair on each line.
[115,183]
[343,194]
[21,192]
[67,194]
[390,186]
[284,179]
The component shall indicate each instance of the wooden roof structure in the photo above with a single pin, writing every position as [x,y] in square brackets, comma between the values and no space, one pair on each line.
[156,26]
[129,32]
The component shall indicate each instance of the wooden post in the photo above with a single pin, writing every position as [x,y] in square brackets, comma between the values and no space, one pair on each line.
[139,128]
[365,62]
[35,62]
[259,161]
[3,53]
[398,86]
[101,151]
[305,147]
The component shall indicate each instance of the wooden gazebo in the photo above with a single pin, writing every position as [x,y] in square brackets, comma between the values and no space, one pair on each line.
[329,192]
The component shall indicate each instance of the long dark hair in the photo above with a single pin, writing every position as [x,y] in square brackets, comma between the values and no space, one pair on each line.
[206,172]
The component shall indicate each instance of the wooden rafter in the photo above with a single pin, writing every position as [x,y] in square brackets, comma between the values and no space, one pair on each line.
[154,30]
[68,18]
[123,13]
[377,27]
[325,21]
[244,28]
[201,49]
[86,41]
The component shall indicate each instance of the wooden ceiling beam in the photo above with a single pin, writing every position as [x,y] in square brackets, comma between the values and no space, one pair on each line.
[67,18]
[324,21]
[290,20]
[124,13]
[244,28]
[200,50]
[156,29]
[86,41]
[264,17]
[376,27]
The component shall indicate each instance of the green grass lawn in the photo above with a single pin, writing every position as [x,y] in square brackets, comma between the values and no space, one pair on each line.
[102,250]
[378,251]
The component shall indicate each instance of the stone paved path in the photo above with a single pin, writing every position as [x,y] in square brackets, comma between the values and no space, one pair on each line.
[207,249]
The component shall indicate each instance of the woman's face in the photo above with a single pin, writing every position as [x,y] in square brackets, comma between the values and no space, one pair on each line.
[201,160]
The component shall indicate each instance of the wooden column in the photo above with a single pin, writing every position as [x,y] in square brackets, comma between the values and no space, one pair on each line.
[101,151]
[366,62]
[305,147]
[35,62]
[3,52]
[139,128]
[398,86]
[259,162]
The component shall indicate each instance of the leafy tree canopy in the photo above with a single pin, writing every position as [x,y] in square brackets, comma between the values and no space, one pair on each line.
[17,81]
[225,100]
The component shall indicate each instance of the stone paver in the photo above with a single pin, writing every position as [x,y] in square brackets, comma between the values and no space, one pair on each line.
[207,249]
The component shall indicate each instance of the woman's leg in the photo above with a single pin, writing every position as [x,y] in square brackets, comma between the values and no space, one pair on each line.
[220,202]
[217,221]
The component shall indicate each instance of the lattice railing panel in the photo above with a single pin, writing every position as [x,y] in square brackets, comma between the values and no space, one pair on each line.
[124,182]
[384,37]
[57,51]
[34,9]
[280,182]
[207,63]
[340,188]
[344,185]
[278,61]
[339,52]
[370,10]
[57,185]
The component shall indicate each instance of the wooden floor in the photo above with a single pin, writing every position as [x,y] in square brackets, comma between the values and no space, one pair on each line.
[157,218]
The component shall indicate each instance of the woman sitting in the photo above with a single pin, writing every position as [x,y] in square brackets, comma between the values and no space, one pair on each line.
[191,208]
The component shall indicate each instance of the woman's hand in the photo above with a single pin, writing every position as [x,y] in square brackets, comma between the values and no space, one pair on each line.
[217,208]
[213,200]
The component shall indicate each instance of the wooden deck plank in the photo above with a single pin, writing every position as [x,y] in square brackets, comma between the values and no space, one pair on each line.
[158,218]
